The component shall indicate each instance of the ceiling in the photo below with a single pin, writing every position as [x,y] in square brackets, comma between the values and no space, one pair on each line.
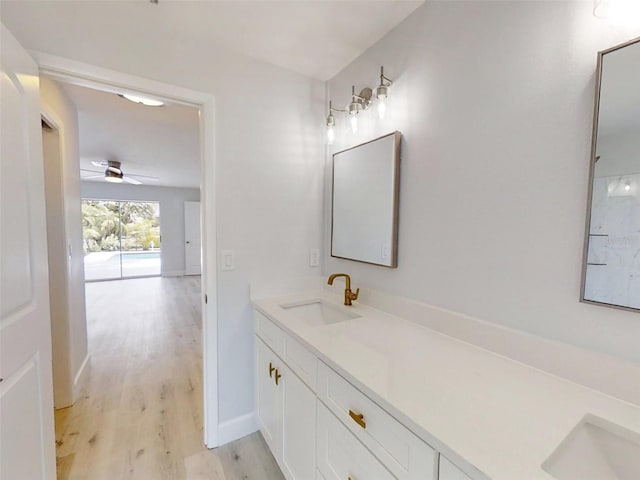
[162,142]
[315,38]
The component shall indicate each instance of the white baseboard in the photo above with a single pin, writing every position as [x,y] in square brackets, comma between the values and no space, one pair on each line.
[237,428]
[78,377]
[175,273]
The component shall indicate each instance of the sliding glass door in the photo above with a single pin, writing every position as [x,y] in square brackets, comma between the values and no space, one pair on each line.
[121,239]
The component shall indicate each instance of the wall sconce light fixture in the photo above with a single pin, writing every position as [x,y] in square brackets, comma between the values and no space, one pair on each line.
[331,123]
[359,103]
[382,92]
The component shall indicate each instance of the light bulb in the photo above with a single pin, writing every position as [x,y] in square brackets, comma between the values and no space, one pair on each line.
[617,10]
[627,187]
[382,107]
[331,135]
[354,123]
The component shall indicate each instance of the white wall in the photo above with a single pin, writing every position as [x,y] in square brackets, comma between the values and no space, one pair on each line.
[495,102]
[69,328]
[171,214]
[269,154]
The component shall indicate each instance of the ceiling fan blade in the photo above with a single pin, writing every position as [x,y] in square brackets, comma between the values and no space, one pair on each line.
[91,176]
[130,180]
[153,179]
[92,171]
[99,164]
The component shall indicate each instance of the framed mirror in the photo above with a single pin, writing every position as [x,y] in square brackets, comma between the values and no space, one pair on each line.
[364,219]
[611,267]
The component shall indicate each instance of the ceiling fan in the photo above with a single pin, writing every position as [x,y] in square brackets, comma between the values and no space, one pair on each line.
[113,173]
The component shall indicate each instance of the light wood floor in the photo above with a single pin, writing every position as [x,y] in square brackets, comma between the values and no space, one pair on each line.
[139,415]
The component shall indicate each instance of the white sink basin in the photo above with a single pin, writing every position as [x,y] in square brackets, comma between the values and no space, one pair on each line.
[318,312]
[596,449]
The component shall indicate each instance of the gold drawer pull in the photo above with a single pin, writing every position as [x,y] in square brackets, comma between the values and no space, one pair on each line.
[358,418]
[278,376]
[271,369]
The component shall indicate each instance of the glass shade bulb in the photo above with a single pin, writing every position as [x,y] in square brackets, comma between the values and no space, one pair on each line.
[382,107]
[354,123]
[331,135]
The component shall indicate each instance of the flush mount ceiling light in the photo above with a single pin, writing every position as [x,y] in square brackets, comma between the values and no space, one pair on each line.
[359,103]
[149,102]
[616,9]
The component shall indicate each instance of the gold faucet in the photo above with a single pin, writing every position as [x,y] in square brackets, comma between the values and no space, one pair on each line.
[348,294]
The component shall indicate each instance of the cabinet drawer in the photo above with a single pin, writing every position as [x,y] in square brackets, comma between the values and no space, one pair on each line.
[341,456]
[269,333]
[448,471]
[402,452]
[301,361]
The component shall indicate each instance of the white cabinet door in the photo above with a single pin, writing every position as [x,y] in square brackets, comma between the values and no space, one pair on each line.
[26,391]
[268,398]
[340,455]
[298,427]
[192,242]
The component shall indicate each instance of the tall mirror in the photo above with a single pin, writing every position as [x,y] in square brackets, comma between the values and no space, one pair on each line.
[611,271]
[365,202]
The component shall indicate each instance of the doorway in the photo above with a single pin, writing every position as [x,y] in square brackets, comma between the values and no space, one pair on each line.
[87,75]
[121,239]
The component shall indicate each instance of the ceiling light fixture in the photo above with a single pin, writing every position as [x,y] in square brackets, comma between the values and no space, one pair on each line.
[359,103]
[113,173]
[149,102]
[616,10]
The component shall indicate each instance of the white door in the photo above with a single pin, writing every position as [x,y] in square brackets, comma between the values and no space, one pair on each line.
[192,243]
[27,440]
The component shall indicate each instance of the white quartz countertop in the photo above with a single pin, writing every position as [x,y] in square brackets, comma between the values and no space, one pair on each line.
[496,418]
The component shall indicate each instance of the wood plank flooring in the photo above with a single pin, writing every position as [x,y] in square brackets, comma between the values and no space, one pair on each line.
[139,415]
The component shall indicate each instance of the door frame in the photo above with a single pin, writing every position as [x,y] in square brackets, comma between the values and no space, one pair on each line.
[91,76]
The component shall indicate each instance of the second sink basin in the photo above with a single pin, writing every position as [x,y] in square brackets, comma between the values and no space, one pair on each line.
[596,449]
[318,312]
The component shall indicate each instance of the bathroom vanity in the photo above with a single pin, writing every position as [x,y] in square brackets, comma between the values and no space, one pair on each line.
[356,393]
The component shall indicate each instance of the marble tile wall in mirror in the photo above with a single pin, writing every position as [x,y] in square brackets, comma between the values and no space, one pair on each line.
[611,271]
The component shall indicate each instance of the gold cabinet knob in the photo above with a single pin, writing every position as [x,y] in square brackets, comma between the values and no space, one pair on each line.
[271,369]
[358,418]
[278,376]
